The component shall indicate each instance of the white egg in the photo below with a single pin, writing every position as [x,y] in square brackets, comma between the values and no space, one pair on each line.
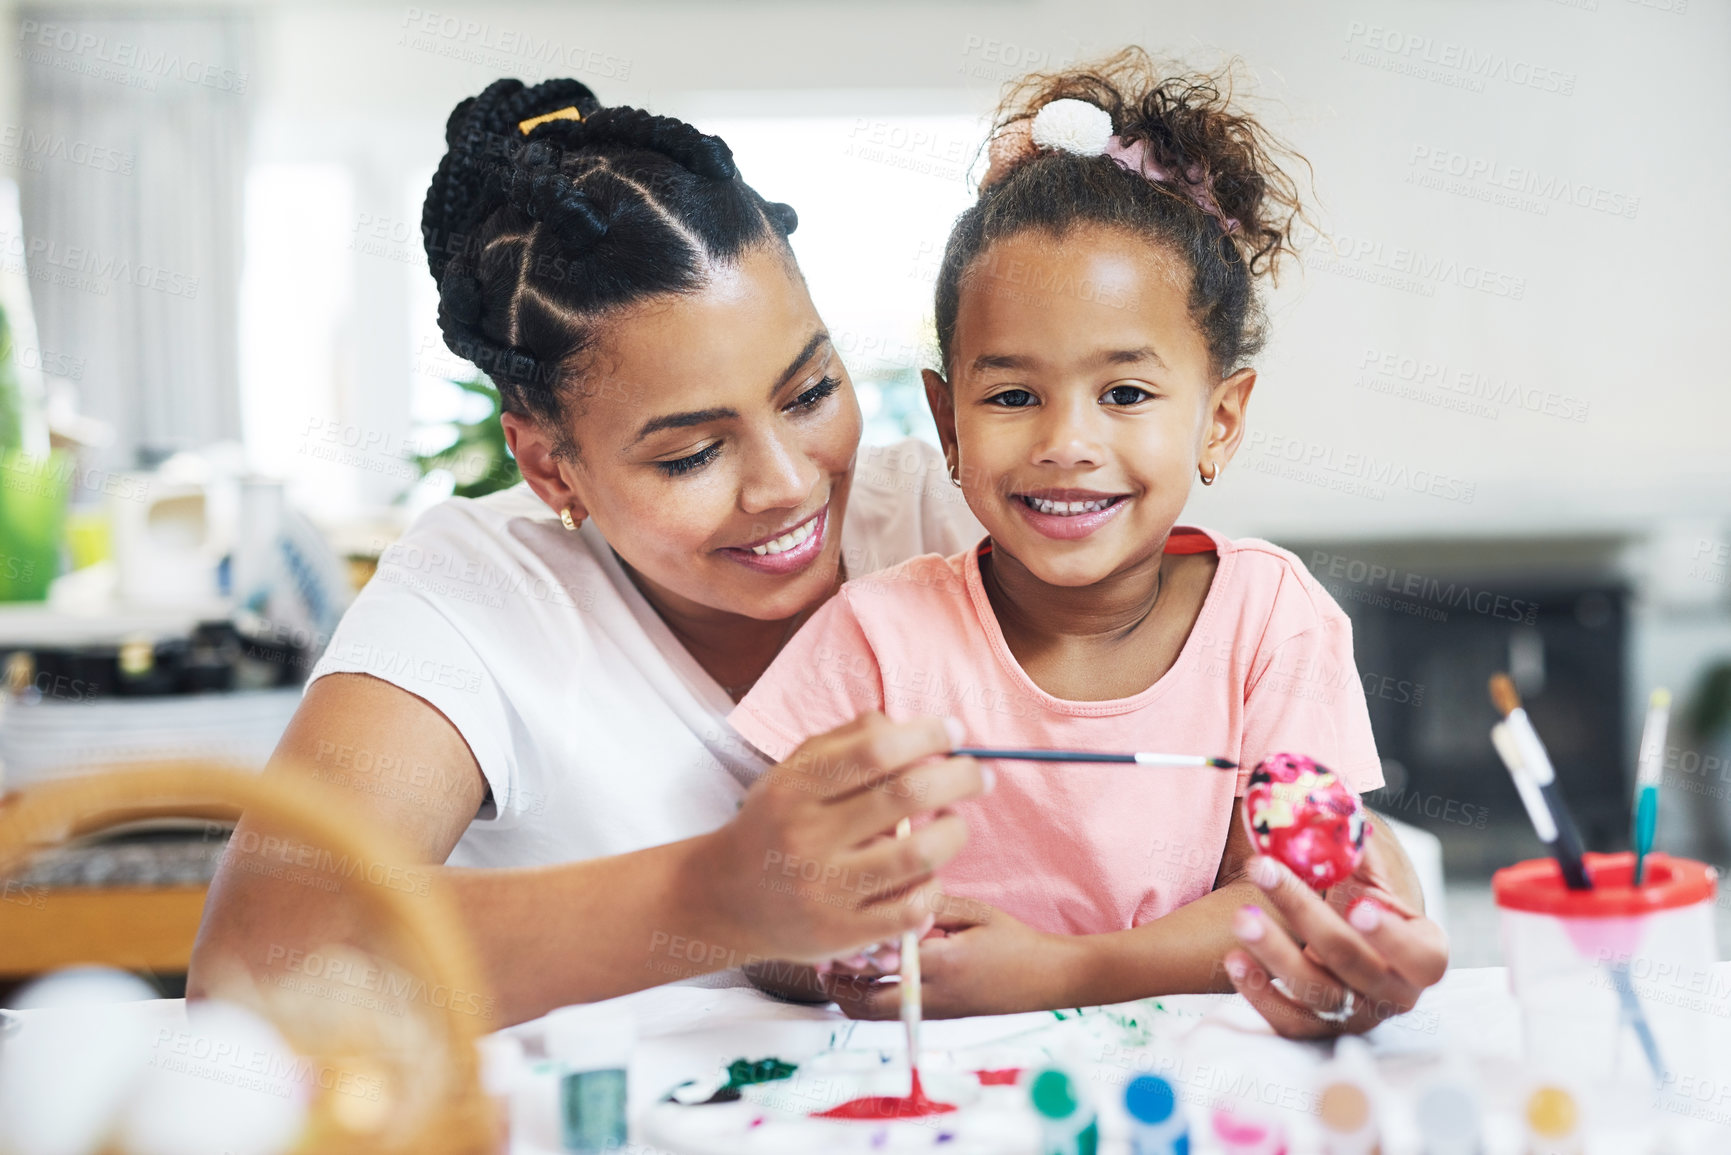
[66,1076]
[228,1085]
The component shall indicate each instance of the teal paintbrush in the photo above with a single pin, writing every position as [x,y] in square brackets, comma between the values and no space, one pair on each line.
[1649,773]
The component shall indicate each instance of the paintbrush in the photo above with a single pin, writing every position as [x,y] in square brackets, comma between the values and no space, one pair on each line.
[1504,740]
[910,991]
[1537,764]
[1649,773]
[1093,756]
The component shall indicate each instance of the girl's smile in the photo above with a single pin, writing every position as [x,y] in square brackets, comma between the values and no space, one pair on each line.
[1070,514]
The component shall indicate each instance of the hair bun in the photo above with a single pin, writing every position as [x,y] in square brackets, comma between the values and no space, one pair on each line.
[481,137]
[782,216]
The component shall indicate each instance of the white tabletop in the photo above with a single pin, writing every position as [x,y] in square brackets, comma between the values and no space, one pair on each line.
[1211,1047]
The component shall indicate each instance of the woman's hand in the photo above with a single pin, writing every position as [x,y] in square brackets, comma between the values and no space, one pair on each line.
[977,960]
[1362,939]
[810,869]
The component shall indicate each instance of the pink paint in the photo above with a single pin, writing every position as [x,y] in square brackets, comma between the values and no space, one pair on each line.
[1240,1136]
[913,1105]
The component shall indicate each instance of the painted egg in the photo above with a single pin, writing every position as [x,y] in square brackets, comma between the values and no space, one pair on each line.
[1302,813]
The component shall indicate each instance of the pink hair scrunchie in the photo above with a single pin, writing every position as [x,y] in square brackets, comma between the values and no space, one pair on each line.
[1193,185]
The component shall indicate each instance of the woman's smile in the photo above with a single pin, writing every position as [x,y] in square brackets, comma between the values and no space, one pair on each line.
[785,551]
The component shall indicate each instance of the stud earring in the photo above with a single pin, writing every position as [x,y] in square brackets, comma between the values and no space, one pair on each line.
[571,523]
[1208,478]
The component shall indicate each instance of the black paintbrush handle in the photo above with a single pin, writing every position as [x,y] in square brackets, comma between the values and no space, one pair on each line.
[1041,755]
[1567,847]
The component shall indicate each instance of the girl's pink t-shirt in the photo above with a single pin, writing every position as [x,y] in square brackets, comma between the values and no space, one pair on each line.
[1077,848]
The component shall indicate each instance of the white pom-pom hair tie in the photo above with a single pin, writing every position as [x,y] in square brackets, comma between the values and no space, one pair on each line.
[1073,126]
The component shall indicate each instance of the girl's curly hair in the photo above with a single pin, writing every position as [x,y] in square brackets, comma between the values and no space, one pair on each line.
[1190,124]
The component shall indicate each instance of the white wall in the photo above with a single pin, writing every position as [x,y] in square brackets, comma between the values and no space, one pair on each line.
[1616,316]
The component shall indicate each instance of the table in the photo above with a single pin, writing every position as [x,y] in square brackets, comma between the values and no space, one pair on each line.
[686,1032]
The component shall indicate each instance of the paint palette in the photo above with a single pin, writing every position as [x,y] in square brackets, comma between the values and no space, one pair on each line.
[975,1064]
[1300,812]
[978,1078]
[786,1115]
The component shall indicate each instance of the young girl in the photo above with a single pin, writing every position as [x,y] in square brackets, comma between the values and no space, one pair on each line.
[1096,316]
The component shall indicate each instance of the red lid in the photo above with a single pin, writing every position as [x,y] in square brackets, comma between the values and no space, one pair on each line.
[1536,885]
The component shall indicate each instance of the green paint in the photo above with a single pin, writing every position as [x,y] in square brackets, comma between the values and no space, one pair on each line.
[745,1073]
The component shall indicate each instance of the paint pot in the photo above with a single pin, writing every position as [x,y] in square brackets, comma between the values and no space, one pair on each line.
[1236,1134]
[501,1063]
[1346,1092]
[591,1049]
[1348,1124]
[1553,1122]
[1448,1119]
[1156,1119]
[1067,1122]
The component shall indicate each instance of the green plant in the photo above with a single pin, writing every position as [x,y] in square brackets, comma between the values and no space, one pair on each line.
[11,392]
[1710,706]
[479,458]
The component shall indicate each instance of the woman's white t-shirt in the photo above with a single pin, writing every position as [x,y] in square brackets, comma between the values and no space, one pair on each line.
[597,733]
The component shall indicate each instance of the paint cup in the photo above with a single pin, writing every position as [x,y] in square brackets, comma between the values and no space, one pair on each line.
[1347,1090]
[1067,1122]
[1447,1114]
[1553,1122]
[502,1067]
[1157,1125]
[592,1050]
[1589,967]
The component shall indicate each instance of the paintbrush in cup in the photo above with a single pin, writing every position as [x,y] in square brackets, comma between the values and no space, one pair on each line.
[1650,772]
[1537,764]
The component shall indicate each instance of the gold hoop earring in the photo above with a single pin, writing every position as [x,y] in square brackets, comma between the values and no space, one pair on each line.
[1208,478]
[571,523]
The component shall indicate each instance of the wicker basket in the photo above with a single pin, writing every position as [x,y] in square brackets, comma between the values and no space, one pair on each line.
[420,1057]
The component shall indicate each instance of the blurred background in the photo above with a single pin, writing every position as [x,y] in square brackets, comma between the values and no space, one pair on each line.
[1492,417]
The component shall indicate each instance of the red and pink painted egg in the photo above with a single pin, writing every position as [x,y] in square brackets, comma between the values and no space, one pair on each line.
[1302,813]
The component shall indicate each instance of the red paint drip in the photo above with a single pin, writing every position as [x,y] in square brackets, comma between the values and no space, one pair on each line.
[911,1106]
[1003,1077]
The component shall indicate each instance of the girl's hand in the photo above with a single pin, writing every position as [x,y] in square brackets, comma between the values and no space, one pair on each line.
[1362,939]
[810,869]
[975,961]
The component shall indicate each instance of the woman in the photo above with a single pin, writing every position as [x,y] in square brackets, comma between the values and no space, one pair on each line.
[535,682]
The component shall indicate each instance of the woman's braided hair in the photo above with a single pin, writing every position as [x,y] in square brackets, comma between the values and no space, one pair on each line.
[536,238]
